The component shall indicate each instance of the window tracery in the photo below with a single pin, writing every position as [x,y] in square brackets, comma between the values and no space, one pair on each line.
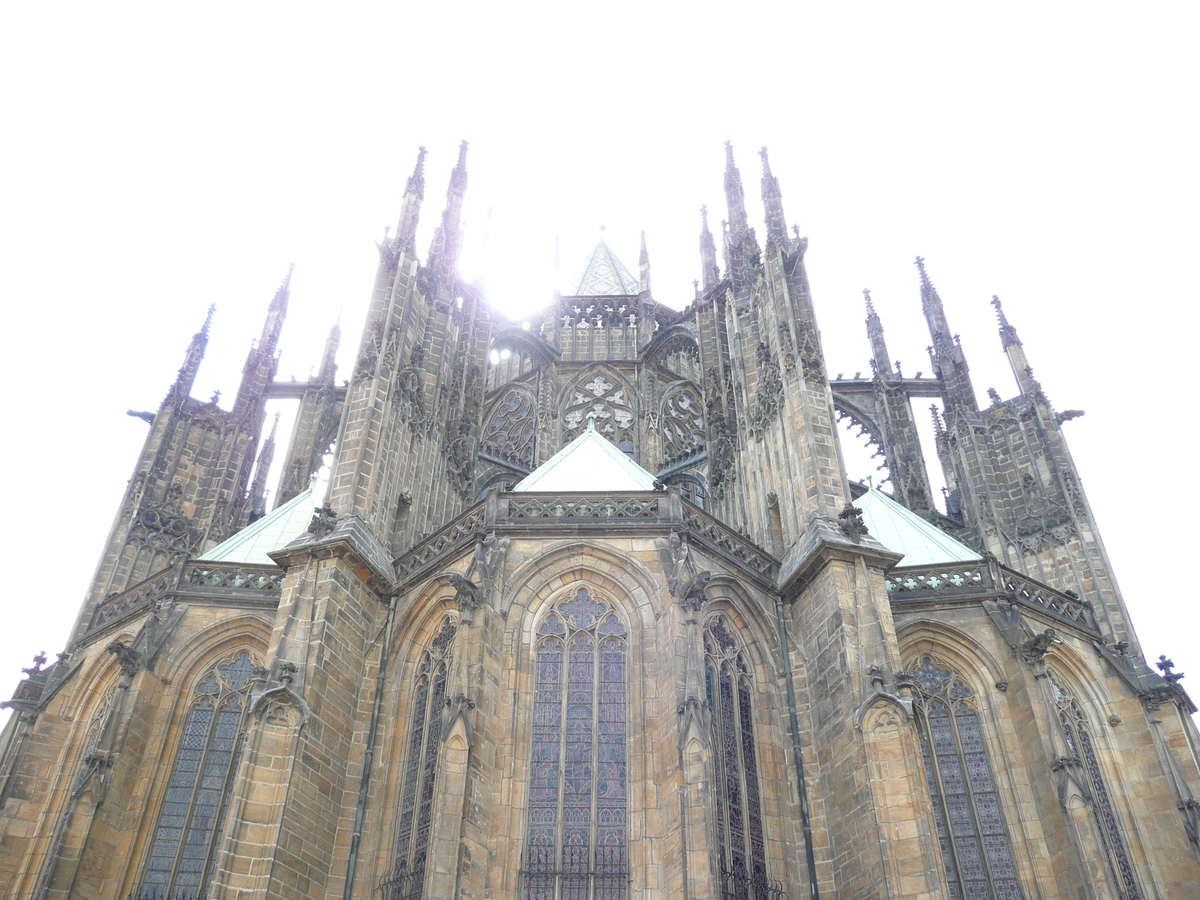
[1080,745]
[608,400]
[576,846]
[976,853]
[189,825]
[682,424]
[741,845]
[510,430]
[407,881]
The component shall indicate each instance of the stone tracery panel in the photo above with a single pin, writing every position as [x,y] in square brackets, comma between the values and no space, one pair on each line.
[511,427]
[606,397]
[682,423]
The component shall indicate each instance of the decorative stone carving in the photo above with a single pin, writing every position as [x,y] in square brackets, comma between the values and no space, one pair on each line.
[682,423]
[323,521]
[766,394]
[608,399]
[275,702]
[510,428]
[851,524]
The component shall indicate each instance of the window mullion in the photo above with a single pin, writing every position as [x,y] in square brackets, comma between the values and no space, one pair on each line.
[564,694]
[594,829]
[230,774]
[187,819]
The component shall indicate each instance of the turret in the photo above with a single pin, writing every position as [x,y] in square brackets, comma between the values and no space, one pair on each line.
[258,487]
[261,360]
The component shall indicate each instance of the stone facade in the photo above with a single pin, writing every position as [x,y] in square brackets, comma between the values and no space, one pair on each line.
[722,687]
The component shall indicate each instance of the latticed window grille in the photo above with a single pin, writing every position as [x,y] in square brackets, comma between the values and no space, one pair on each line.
[189,826]
[509,432]
[740,843]
[976,852]
[1080,745]
[407,881]
[577,841]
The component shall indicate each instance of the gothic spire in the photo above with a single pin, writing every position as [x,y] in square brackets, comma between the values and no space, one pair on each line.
[773,204]
[949,361]
[1015,352]
[644,267]
[879,351]
[443,254]
[931,304]
[258,488]
[735,196]
[191,359]
[328,364]
[708,252]
[414,193]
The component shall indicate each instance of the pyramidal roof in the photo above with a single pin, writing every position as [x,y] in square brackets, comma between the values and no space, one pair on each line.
[591,462]
[902,530]
[274,531]
[602,275]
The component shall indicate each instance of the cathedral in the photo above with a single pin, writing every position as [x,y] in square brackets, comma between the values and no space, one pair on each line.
[588,609]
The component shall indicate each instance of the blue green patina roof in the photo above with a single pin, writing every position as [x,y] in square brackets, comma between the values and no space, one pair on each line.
[602,275]
[274,531]
[902,530]
[591,462]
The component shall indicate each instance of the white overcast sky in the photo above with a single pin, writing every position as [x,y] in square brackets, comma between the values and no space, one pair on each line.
[157,158]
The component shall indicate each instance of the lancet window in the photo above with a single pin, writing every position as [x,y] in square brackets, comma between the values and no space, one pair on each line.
[189,826]
[606,399]
[976,853]
[407,881]
[740,843]
[682,424]
[1080,746]
[509,433]
[577,841]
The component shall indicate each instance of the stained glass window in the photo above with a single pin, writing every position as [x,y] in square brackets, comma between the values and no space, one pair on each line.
[1080,745]
[407,881]
[740,843]
[189,826]
[576,847]
[976,853]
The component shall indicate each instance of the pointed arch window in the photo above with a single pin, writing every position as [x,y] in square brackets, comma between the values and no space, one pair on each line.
[740,842]
[976,852]
[1080,745]
[407,881]
[577,841]
[189,826]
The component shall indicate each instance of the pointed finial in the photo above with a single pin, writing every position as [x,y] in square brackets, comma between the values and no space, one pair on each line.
[274,427]
[704,217]
[462,154]
[1008,334]
[870,305]
[644,256]
[591,422]
[729,154]
[416,181]
[766,163]
[212,308]
[920,262]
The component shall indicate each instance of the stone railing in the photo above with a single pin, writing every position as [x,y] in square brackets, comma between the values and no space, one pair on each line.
[458,533]
[196,579]
[523,507]
[141,596]
[988,577]
[721,537]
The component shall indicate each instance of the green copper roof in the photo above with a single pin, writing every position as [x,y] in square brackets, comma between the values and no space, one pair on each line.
[902,530]
[589,463]
[603,275]
[274,531]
